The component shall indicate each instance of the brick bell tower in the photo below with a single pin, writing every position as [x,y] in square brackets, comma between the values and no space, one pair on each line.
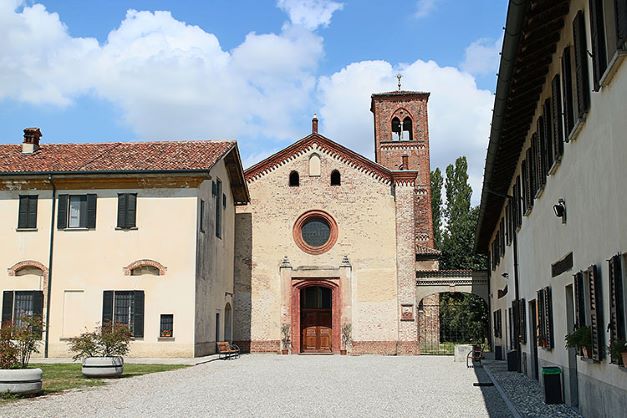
[401,138]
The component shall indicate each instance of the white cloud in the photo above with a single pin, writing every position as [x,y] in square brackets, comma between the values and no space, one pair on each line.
[459,112]
[425,7]
[482,57]
[170,79]
[310,13]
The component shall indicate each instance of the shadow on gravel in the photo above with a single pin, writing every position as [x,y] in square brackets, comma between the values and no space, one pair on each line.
[495,405]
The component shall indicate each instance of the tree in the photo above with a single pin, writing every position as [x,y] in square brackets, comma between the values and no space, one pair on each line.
[436,206]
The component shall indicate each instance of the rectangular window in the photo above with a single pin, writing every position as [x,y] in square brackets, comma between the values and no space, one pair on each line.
[545,319]
[498,331]
[218,204]
[567,80]
[124,307]
[27,212]
[76,211]
[17,305]
[127,210]
[201,221]
[599,48]
[582,76]
[617,301]
[166,325]
[556,118]
[548,136]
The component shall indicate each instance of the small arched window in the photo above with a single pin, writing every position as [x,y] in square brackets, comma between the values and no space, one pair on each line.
[145,269]
[294,179]
[396,129]
[336,178]
[407,134]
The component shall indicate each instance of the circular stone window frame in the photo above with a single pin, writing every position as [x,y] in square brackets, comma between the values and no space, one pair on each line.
[298,236]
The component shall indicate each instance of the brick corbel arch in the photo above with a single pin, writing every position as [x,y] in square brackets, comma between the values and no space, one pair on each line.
[26,264]
[142,263]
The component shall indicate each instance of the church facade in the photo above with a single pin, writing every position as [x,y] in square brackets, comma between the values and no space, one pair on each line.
[327,250]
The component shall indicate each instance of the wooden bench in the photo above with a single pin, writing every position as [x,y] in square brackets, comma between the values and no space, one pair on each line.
[227,350]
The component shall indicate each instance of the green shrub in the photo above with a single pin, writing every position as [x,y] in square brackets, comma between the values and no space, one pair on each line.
[105,341]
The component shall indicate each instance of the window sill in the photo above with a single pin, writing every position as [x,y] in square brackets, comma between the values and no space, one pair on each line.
[26,229]
[117,228]
[576,129]
[165,339]
[612,67]
[539,192]
[555,166]
[75,229]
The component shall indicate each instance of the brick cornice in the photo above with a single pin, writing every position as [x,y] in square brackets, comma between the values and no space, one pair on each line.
[322,143]
[404,177]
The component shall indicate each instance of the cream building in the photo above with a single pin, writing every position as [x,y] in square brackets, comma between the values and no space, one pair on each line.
[558,147]
[138,233]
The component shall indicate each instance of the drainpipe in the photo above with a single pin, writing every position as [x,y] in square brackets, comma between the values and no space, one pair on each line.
[517,298]
[51,248]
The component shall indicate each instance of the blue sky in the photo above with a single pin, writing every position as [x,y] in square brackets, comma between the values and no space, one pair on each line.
[254,70]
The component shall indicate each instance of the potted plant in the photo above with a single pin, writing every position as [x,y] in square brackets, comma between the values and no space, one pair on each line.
[17,343]
[101,350]
[580,338]
[618,350]
[347,338]
[285,338]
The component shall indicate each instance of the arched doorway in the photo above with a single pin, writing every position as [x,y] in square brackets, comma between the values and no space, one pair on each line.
[316,319]
[228,323]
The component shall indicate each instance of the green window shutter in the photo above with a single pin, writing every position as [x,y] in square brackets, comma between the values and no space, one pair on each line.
[7,307]
[580,304]
[218,203]
[596,313]
[617,306]
[38,307]
[540,299]
[131,210]
[599,52]
[122,208]
[62,211]
[542,153]
[523,321]
[91,211]
[549,317]
[621,24]
[32,211]
[548,135]
[138,314]
[582,76]
[22,218]
[556,119]
[567,77]
[107,307]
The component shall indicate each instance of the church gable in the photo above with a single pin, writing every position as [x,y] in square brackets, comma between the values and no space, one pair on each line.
[313,147]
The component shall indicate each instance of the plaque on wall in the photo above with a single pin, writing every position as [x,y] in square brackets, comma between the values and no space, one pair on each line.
[407,312]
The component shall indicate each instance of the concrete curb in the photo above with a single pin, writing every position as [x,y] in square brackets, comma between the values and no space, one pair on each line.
[505,398]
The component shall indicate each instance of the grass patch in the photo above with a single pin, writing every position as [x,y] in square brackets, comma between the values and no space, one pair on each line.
[61,377]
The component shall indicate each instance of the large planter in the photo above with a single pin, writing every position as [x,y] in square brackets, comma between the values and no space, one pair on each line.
[624,354]
[20,381]
[103,366]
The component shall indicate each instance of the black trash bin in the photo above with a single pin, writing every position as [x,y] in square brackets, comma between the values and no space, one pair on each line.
[512,361]
[552,377]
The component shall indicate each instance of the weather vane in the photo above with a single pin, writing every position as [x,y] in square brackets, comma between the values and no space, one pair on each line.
[399,76]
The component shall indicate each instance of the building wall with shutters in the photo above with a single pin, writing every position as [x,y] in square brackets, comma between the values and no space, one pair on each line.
[87,262]
[591,179]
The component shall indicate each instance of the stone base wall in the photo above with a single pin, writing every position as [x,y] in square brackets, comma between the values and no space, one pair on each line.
[259,346]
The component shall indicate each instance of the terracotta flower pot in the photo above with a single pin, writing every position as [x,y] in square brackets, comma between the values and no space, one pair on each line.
[20,381]
[284,352]
[587,351]
[624,354]
[343,352]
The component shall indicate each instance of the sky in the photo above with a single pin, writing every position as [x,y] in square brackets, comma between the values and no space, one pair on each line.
[251,70]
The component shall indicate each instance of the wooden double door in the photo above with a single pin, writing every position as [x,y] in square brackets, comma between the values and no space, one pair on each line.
[317,330]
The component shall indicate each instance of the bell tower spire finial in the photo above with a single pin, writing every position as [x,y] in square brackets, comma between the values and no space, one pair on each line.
[399,76]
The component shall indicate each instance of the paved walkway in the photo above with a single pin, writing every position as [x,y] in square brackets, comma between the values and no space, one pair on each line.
[272,385]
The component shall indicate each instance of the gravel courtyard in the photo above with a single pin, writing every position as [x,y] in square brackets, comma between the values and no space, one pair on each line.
[272,385]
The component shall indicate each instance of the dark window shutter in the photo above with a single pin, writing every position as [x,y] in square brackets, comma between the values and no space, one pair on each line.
[556,119]
[7,307]
[541,336]
[617,307]
[599,53]
[32,211]
[569,118]
[91,211]
[548,134]
[22,218]
[107,307]
[38,307]
[62,211]
[122,209]
[581,64]
[522,306]
[131,210]
[218,204]
[548,307]
[596,313]
[542,152]
[621,24]
[525,185]
[580,304]
[138,314]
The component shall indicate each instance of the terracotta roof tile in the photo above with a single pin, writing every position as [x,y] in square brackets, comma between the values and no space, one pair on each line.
[116,157]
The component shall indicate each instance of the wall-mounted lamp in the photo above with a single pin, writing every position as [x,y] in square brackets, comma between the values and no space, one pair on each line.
[560,210]
[505,276]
